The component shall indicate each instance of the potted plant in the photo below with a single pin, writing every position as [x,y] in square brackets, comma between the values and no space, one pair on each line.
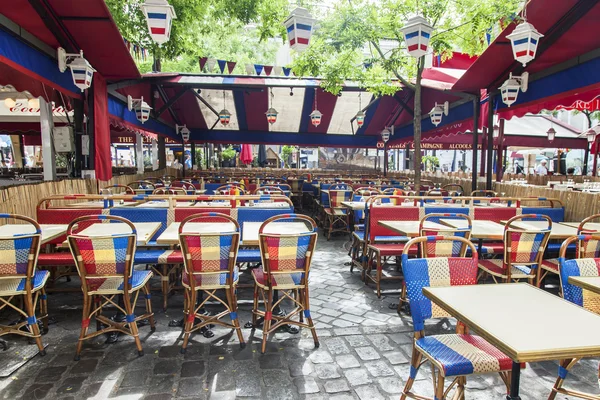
[228,156]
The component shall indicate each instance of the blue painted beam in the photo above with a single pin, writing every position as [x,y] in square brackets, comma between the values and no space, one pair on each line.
[240,109]
[369,116]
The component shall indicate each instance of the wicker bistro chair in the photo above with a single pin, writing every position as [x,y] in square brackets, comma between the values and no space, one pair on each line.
[338,216]
[105,266]
[484,193]
[19,277]
[269,190]
[176,191]
[117,189]
[454,189]
[286,260]
[523,252]
[453,356]
[147,185]
[230,189]
[210,265]
[587,265]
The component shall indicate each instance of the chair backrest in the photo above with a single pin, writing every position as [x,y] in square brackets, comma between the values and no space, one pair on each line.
[269,190]
[141,185]
[483,193]
[435,272]
[230,189]
[101,256]
[437,193]
[365,192]
[209,252]
[296,184]
[336,197]
[579,267]
[184,185]
[588,248]
[525,246]
[454,189]
[19,251]
[444,248]
[117,189]
[288,253]
[170,191]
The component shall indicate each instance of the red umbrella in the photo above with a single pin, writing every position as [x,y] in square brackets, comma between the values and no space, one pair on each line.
[246,154]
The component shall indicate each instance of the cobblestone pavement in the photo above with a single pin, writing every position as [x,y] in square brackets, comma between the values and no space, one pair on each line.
[364,354]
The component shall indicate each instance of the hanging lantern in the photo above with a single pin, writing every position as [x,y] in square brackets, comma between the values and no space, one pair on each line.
[591,135]
[437,112]
[224,117]
[271,115]
[385,135]
[360,118]
[184,131]
[315,117]
[299,27]
[159,16]
[142,109]
[496,132]
[551,134]
[524,41]
[81,69]
[417,33]
[510,88]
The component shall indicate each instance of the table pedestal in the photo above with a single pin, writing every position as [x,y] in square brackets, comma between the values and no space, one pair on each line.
[514,382]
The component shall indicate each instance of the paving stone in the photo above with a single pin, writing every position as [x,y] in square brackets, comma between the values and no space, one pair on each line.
[247,382]
[170,351]
[306,385]
[301,368]
[330,312]
[367,353]
[37,391]
[321,357]
[161,384]
[379,368]
[270,361]
[132,392]
[352,318]
[71,385]
[192,368]
[275,377]
[337,345]
[341,323]
[336,386]
[357,376]
[190,387]
[280,393]
[163,396]
[166,367]
[347,361]
[50,374]
[84,366]
[396,357]
[368,392]
[357,341]
[342,396]
[345,332]
[327,371]
[135,378]
[391,385]
[222,395]
[382,342]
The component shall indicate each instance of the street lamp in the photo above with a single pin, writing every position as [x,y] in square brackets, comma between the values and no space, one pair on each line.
[159,16]
[510,88]
[81,69]
[551,134]
[524,41]
[417,33]
[142,109]
[299,26]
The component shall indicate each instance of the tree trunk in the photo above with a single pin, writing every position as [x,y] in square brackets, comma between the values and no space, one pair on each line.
[417,125]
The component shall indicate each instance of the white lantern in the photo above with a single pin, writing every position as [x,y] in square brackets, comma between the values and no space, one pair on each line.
[385,135]
[551,134]
[299,27]
[184,131]
[496,132]
[524,41]
[271,115]
[591,135]
[315,117]
[417,33]
[224,117]
[142,109]
[510,88]
[81,69]
[360,118]
[159,16]
[437,112]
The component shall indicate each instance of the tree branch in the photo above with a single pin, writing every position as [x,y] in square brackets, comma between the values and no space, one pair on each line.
[400,78]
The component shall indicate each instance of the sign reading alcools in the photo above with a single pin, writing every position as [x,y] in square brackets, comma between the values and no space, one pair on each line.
[432,146]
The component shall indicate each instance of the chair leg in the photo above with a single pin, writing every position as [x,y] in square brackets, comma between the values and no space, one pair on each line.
[34,328]
[232,302]
[379,273]
[255,306]
[190,317]
[133,329]
[85,323]
[415,362]
[44,309]
[147,296]
[567,364]
[439,387]
[165,285]
[267,322]
[306,306]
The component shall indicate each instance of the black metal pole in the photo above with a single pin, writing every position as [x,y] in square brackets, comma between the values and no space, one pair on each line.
[586,156]
[476,108]
[490,143]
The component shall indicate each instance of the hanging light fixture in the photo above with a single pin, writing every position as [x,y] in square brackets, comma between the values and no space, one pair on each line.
[524,41]
[10,102]
[184,131]
[271,112]
[496,131]
[315,116]
[33,103]
[417,33]
[591,135]
[360,115]
[81,69]
[551,133]
[437,112]
[159,16]
[142,109]
[299,26]
[510,88]
[385,135]
[224,115]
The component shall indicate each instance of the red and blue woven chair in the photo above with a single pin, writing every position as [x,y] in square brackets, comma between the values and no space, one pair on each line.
[209,265]
[523,252]
[454,356]
[105,266]
[286,259]
[338,217]
[587,264]
[20,278]
[117,189]
[445,248]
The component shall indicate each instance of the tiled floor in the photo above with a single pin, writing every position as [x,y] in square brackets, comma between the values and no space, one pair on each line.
[364,353]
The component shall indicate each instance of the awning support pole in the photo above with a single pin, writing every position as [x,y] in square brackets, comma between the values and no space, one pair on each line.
[490,142]
[48,152]
[476,109]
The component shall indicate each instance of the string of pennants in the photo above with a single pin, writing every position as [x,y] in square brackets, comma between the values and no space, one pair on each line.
[208,64]
[137,51]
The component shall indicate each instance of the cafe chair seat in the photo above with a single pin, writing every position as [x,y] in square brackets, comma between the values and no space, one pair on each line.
[211,281]
[16,286]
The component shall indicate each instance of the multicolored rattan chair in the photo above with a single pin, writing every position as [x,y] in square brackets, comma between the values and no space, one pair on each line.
[286,260]
[175,191]
[523,252]
[269,190]
[454,189]
[117,189]
[338,217]
[230,190]
[105,266]
[210,265]
[19,277]
[453,356]
[587,264]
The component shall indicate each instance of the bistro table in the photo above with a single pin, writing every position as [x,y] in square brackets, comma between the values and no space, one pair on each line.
[145,230]
[170,236]
[591,283]
[481,229]
[548,328]
[411,228]
[49,231]
[592,226]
